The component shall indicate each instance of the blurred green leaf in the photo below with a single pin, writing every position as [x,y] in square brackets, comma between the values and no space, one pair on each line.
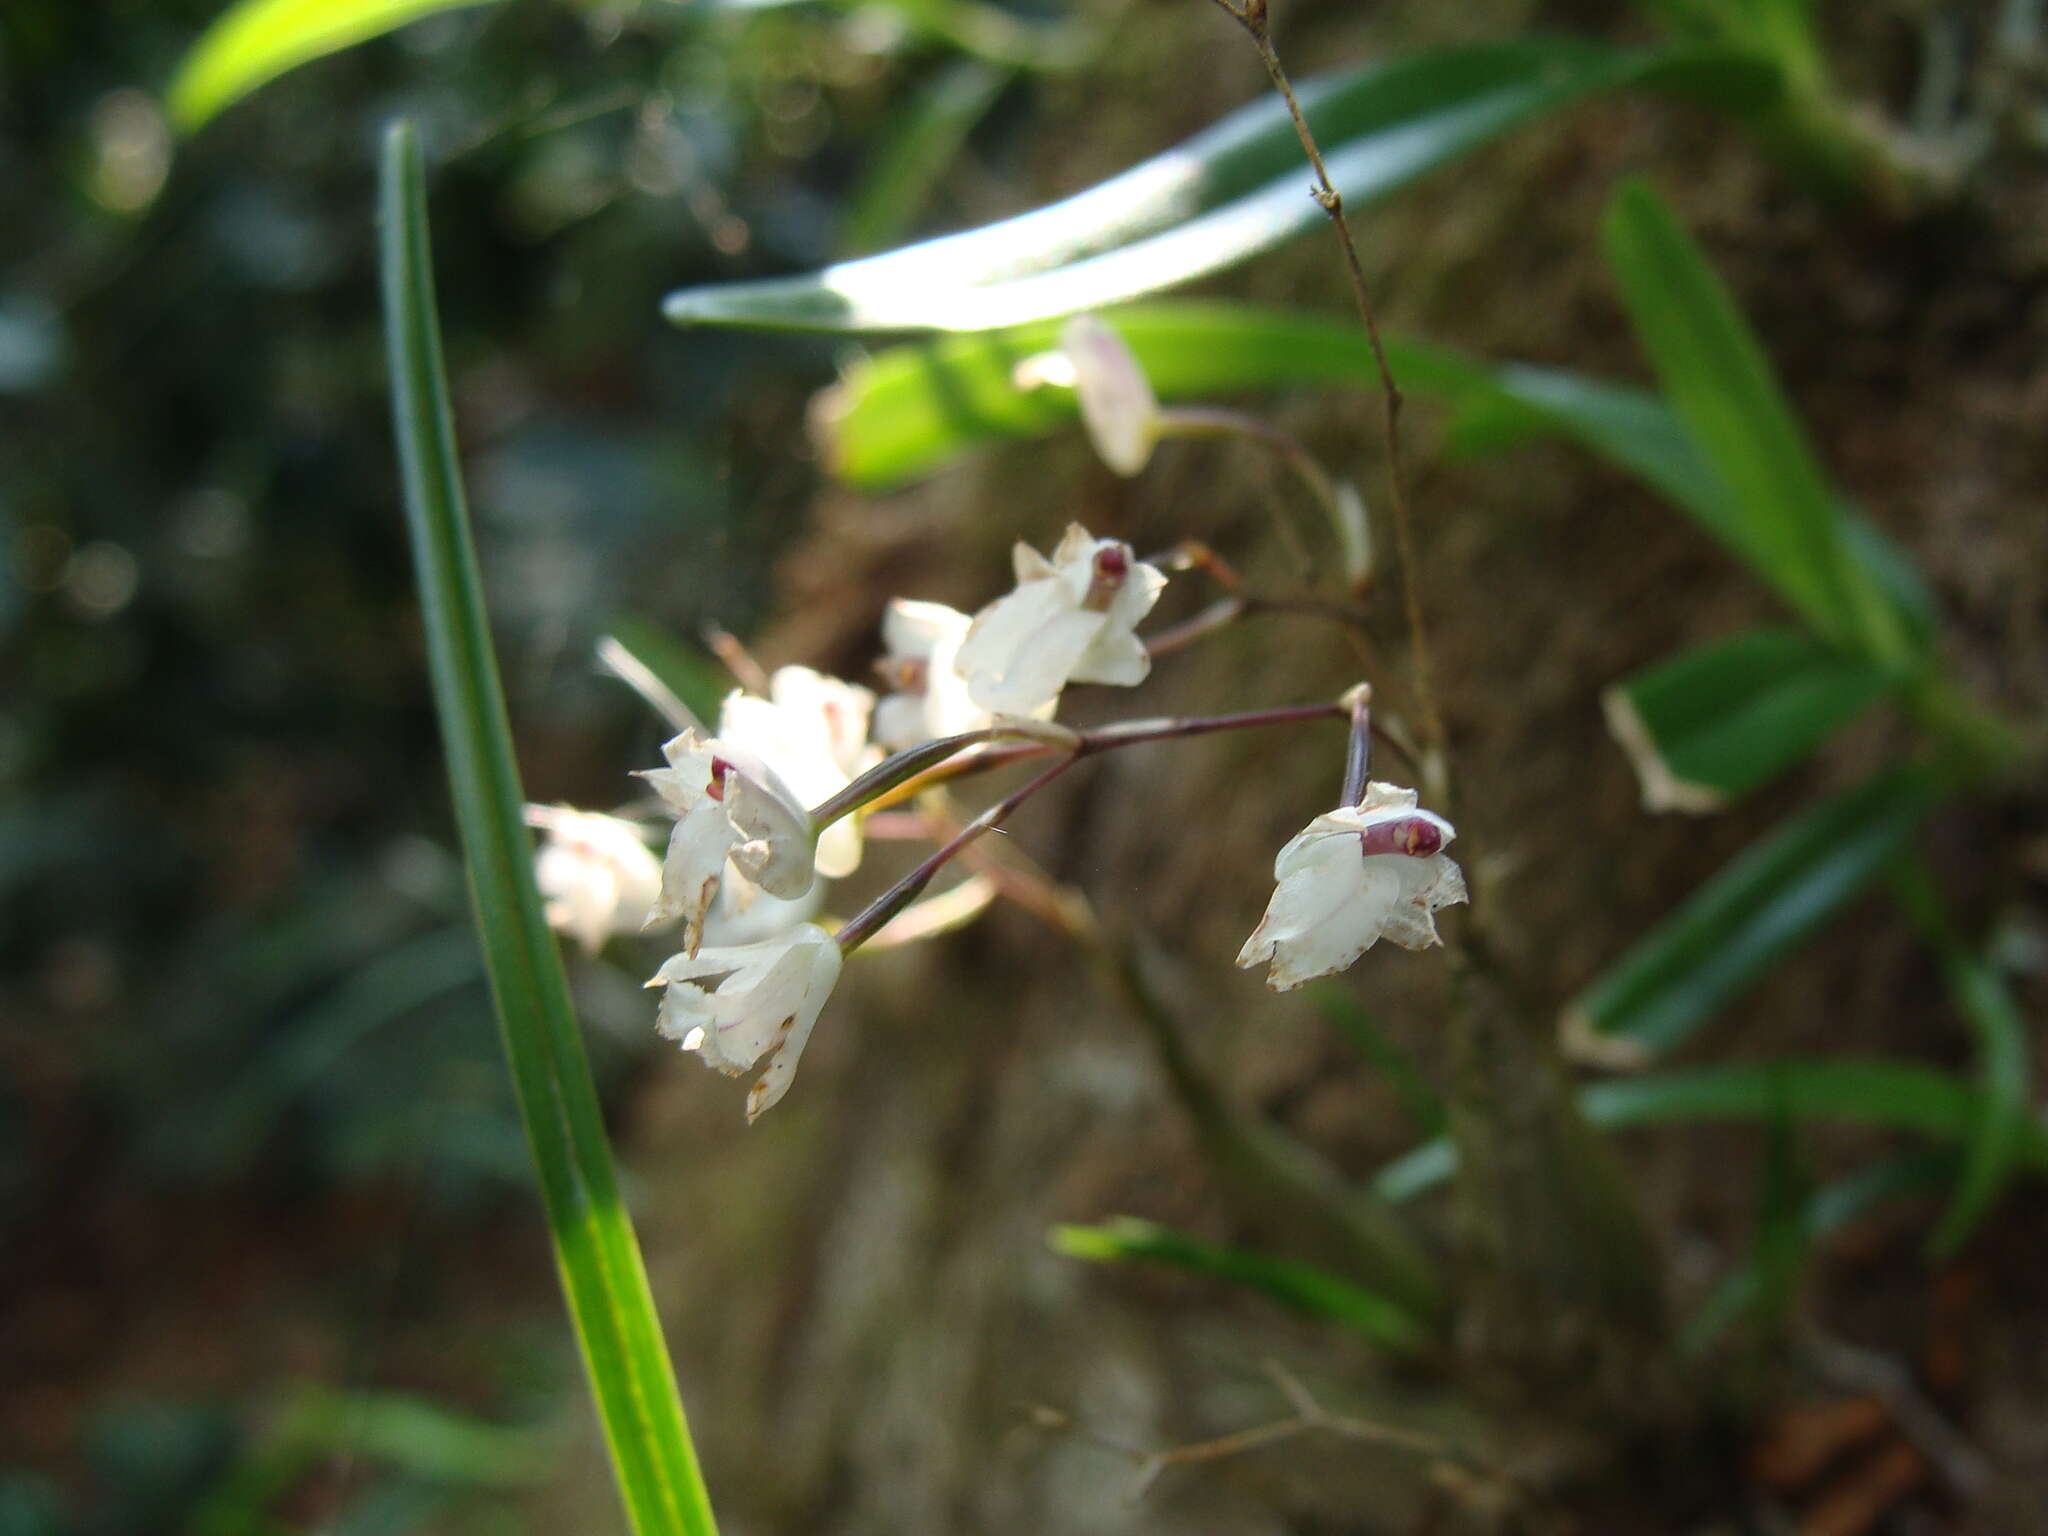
[917,148]
[255,41]
[1782,1242]
[1218,199]
[1820,1215]
[596,1253]
[1784,516]
[1356,1023]
[1770,898]
[1894,1095]
[904,411]
[1316,1291]
[1708,726]
[1981,994]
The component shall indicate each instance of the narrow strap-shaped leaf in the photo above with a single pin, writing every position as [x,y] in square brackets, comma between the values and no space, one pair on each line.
[1356,1024]
[1824,1213]
[255,41]
[1226,195]
[1981,995]
[1783,511]
[595,1250]
[1713,723]
[1892,1095]
[1124,1239]
[904,411]
[1772,897]
[923,140]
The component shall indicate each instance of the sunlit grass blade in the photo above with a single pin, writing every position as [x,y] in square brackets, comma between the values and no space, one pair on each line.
[1981,995]
[1711,724]
[1821,1215]
[595,1250]
[1769,899]
[1718,380]
[1218,199]
[1890,1095]
[252,42]
[1124,1239]
[1351,1019]
[923,141]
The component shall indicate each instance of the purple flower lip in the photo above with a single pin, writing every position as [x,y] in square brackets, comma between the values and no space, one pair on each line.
[1416,837]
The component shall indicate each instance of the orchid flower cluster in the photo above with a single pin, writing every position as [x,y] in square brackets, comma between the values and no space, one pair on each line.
[769,806]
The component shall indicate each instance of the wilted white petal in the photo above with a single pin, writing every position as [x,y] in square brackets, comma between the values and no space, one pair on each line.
[734,1005]
[811,734]
[1362,873]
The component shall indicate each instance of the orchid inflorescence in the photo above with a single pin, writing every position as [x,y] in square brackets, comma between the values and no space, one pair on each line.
[770,804]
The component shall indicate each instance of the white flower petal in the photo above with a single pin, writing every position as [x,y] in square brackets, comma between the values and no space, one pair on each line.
[1332,900]
[734,1005]
[1117,404]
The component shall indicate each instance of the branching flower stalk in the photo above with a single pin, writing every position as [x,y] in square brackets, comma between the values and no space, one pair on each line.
[1252,16]
[1561,1273]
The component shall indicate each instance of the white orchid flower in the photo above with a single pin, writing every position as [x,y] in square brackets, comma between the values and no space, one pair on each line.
[812,732]
[1071,619]
[733,1005]
[596,874]
[730,807]
[1362,873]
[1117,405]
[922,643]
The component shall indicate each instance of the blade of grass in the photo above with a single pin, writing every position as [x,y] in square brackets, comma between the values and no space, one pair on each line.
[1892,1095]
[595,1251]
[1124,1239]
[1980,993]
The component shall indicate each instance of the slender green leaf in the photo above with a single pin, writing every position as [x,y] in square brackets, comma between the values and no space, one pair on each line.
[1771,898]
[1302,1286]
[1785,515]
[1782,1243]
[904,411]
[1822,1214]
[1351,1019]
[1224,196]
[1708,726]
[255,41]
[595,1250]
[1892,1095]
[1981,994]
[920,144]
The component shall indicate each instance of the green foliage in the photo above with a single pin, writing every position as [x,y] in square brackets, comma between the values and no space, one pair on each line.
[1893,1095]
[1357,1024]
[1820,1214]
[1745,919]
[597,1255]
[1125,1239]
[905,411]
[1219,199]
[255,41]
[1713,723]
[1782,514]
[1984,1001]
[918,148]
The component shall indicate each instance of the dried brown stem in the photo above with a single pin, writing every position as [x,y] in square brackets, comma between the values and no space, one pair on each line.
[1251,15]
